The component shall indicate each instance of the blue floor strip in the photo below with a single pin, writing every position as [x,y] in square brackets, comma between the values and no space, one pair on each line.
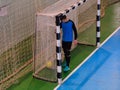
[101,71]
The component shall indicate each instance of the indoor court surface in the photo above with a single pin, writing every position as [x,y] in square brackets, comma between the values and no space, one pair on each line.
[100,71]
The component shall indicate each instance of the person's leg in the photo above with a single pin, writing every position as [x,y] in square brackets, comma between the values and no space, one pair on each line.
[68,55]
[66,48]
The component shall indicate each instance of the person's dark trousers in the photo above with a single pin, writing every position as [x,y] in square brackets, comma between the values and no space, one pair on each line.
[66,49]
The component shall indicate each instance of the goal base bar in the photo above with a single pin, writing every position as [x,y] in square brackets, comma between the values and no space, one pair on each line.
[86,44]
[44,79]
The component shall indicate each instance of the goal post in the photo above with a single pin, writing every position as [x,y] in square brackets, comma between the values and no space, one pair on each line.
[58,50]
[48,54]
[98,23]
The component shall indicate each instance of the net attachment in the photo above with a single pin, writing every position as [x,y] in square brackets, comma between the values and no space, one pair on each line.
[83,16]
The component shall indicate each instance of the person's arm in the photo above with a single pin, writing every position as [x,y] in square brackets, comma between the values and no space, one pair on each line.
[75,31]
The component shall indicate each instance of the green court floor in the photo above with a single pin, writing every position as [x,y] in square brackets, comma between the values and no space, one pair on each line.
[109,23]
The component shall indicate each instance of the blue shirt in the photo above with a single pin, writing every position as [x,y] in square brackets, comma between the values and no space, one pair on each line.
[68,31]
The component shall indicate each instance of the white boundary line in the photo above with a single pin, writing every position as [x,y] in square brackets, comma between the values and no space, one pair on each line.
[87,58]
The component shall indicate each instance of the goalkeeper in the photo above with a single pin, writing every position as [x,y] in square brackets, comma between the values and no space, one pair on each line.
[69,35]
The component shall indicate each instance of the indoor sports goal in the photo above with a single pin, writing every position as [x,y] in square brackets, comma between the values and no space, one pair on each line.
[82,12]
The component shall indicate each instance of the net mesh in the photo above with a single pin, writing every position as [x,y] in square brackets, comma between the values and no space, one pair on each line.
[17,26]
[16,37]
[45,48]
